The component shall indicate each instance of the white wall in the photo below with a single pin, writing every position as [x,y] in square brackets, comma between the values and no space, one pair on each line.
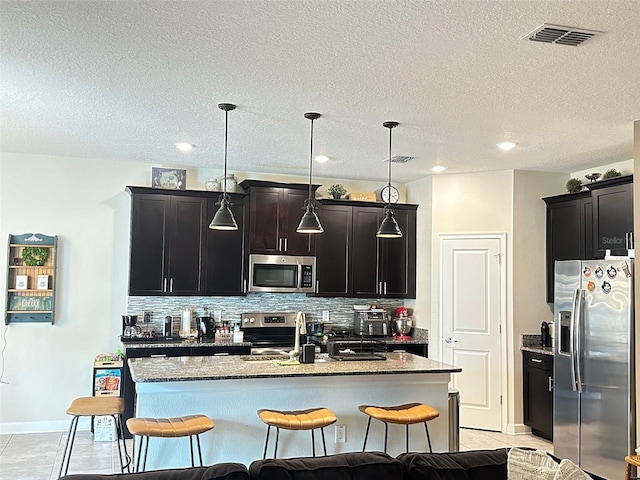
[84,202]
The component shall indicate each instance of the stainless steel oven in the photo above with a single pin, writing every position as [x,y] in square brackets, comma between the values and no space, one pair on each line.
[282,273]
[269,333]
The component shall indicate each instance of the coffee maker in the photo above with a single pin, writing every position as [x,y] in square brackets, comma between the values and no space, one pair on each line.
[206,328]
[129,327]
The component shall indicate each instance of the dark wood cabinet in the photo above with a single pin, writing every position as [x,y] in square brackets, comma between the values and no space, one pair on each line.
[226,271]
[167,243]
[612,216]
[383,267]
[275,211]
[537,380]
[582,226]
[569,231]
[351,261]
[333,250]
[421,349]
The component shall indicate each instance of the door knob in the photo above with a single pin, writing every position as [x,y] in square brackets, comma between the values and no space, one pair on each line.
[450,340]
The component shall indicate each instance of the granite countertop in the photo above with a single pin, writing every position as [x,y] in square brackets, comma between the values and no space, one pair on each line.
[192,343]
[533,343]
[180,369]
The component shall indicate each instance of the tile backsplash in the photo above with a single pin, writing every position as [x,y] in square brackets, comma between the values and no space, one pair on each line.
[231,308]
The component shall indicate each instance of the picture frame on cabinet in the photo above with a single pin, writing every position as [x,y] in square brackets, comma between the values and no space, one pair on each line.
[43,282]
[168,178]
[22,282]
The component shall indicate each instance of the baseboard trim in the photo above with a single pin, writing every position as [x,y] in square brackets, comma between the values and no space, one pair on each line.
[42,427]
[517,429]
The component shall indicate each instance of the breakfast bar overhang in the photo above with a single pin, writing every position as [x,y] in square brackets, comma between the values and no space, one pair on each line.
[230,390]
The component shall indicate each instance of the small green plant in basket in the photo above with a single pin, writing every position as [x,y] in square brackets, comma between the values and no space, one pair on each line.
[612,172]
[337,190]
[574,185]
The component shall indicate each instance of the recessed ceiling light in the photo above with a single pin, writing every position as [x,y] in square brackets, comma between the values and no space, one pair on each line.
[506,146]
[321,158]
[438,169]
[185,147]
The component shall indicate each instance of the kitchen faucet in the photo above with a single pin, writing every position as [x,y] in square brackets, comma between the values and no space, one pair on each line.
[300,329]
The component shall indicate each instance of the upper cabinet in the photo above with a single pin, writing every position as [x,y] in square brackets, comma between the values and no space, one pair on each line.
[353,262]
[612,215]
[569,231]
[584,225]
[275,211]
[173,252]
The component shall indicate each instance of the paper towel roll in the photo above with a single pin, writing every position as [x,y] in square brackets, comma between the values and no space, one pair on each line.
[185,327]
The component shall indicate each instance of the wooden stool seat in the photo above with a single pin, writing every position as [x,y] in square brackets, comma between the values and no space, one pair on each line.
[170,427]
[632,460]
[92,407]
[309,419]
[406,414]
[185,426]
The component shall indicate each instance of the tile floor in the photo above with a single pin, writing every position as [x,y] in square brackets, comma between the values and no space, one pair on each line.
[36,456]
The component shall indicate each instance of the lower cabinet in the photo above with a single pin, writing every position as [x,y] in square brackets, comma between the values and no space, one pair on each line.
[537,380]
[128,385]
[421,349]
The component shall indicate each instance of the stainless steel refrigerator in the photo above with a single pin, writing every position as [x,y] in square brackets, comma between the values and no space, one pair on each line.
[594,364]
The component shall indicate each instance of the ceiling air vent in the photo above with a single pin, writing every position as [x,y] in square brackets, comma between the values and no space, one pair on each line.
[548,33]
[399,159]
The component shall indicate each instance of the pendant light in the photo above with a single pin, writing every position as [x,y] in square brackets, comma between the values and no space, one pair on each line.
[223,219]
[309,222]
[389,227]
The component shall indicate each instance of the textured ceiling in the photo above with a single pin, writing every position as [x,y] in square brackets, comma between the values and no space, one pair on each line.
[125,80]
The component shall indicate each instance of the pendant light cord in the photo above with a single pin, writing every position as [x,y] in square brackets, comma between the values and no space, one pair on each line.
[226,129]
[310,160]
[389,184]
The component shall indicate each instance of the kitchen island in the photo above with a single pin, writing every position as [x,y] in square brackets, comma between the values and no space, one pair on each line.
[230,390]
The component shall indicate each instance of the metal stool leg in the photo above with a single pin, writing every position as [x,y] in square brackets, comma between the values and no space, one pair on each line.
[324,445]
[127,457]
[313,443]
[266,442]
[366,434]
[386,431]
[138,455]
[68,445]
[407,436]
[191,450]
[426,427]
[199,449]
[275,451]
[146,450]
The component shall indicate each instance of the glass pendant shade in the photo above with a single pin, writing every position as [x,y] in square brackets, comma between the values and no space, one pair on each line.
[310,222]
[223,219]
[389,227]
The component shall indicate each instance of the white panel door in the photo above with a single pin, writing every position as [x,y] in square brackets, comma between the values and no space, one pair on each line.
[471,314]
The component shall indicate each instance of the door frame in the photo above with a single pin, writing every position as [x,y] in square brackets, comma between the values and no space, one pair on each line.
[504,360]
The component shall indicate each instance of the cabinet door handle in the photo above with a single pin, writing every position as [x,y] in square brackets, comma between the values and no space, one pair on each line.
[158,355]
[279,244]
[536,360]
[164,287]
[550,383]
[285,244]
[379,292]
[317,286]
[385,288]
[171,285]
[245,285]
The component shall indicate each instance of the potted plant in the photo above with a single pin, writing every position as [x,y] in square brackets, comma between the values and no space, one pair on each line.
[612,172]
[337,190]
[574,185]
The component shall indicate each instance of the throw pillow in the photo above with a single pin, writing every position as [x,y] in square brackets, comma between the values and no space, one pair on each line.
[528,464]
[570,471]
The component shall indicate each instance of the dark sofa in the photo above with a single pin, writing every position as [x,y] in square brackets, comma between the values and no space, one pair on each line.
[471,465]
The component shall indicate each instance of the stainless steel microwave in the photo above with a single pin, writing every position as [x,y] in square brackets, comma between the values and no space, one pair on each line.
[282,273]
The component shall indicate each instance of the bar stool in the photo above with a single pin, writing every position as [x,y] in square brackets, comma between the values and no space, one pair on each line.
[91,407]
[632,460]
[407,414]
[186,426]
[310,419]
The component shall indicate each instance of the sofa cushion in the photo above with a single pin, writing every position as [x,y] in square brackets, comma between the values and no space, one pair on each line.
[342,466]
[220,471]
[471,465]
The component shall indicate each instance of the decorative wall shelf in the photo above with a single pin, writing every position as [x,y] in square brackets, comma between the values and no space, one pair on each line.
[31,288]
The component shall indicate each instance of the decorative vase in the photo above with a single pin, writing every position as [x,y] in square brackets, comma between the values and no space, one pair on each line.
[336,196]
[230,182]
[212,185]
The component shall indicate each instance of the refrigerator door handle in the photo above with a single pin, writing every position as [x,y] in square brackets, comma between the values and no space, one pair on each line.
[575,304]
[578,337]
